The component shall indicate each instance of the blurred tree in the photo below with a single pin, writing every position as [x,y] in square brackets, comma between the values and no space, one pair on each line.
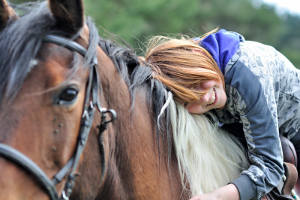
[18,1]
[134,21]
[289,42]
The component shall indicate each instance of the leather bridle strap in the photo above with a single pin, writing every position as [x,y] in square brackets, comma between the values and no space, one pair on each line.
[24,162]
[64,42]
[85,127]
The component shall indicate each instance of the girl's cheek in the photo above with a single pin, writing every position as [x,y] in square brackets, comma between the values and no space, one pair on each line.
[195,108]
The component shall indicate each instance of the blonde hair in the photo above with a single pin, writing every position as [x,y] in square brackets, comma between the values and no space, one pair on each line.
[181,65]
[207,156]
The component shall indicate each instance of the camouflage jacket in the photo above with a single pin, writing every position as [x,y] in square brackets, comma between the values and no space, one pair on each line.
[263,94]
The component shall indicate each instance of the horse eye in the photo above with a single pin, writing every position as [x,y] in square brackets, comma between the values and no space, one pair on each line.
[68,95]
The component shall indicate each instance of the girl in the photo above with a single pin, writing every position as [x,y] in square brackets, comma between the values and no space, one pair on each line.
[235,81]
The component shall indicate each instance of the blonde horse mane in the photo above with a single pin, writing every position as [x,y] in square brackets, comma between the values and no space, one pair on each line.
[208,157]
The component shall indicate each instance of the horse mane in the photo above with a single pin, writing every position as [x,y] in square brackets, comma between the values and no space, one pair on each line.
[124,58]
[156,95]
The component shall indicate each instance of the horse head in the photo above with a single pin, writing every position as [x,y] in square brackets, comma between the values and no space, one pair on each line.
[58,81]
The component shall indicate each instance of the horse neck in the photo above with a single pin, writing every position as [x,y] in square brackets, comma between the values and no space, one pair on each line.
[135,169]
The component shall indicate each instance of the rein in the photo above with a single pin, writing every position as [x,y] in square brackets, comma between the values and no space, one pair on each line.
[91,103]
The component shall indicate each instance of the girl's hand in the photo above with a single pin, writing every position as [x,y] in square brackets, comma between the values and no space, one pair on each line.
[228,192]
[208,196]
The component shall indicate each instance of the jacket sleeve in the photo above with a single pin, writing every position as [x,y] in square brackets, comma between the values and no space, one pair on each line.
[252,97]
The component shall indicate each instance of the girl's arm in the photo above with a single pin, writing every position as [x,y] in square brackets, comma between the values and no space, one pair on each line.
[251,97]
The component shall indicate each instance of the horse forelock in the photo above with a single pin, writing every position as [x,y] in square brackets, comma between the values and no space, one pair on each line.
[19,44]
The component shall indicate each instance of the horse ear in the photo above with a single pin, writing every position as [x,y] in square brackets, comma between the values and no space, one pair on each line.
[7,13]
[69,14]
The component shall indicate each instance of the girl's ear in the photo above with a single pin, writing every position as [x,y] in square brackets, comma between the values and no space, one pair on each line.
[7,14]
[69,14]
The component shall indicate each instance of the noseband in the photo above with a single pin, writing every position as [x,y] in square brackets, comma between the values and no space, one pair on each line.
[91,103]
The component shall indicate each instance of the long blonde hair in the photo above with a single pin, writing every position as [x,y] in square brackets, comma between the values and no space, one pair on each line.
[181,65]
[208,157]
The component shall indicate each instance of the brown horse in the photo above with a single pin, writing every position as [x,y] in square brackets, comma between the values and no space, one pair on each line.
[57,138]
[55,78]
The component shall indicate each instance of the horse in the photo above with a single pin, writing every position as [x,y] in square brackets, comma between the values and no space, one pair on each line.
[81,117]
[58,140]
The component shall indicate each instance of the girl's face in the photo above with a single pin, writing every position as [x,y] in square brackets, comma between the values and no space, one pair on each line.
[214,98]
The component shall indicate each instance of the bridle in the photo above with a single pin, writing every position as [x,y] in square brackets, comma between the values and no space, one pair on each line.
[91,103]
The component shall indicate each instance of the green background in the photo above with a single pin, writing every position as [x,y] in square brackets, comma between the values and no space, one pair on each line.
[134,21]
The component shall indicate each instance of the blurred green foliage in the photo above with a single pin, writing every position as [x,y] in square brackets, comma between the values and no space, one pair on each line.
[134,21]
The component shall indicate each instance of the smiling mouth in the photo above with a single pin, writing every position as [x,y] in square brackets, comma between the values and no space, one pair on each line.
[214,98]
